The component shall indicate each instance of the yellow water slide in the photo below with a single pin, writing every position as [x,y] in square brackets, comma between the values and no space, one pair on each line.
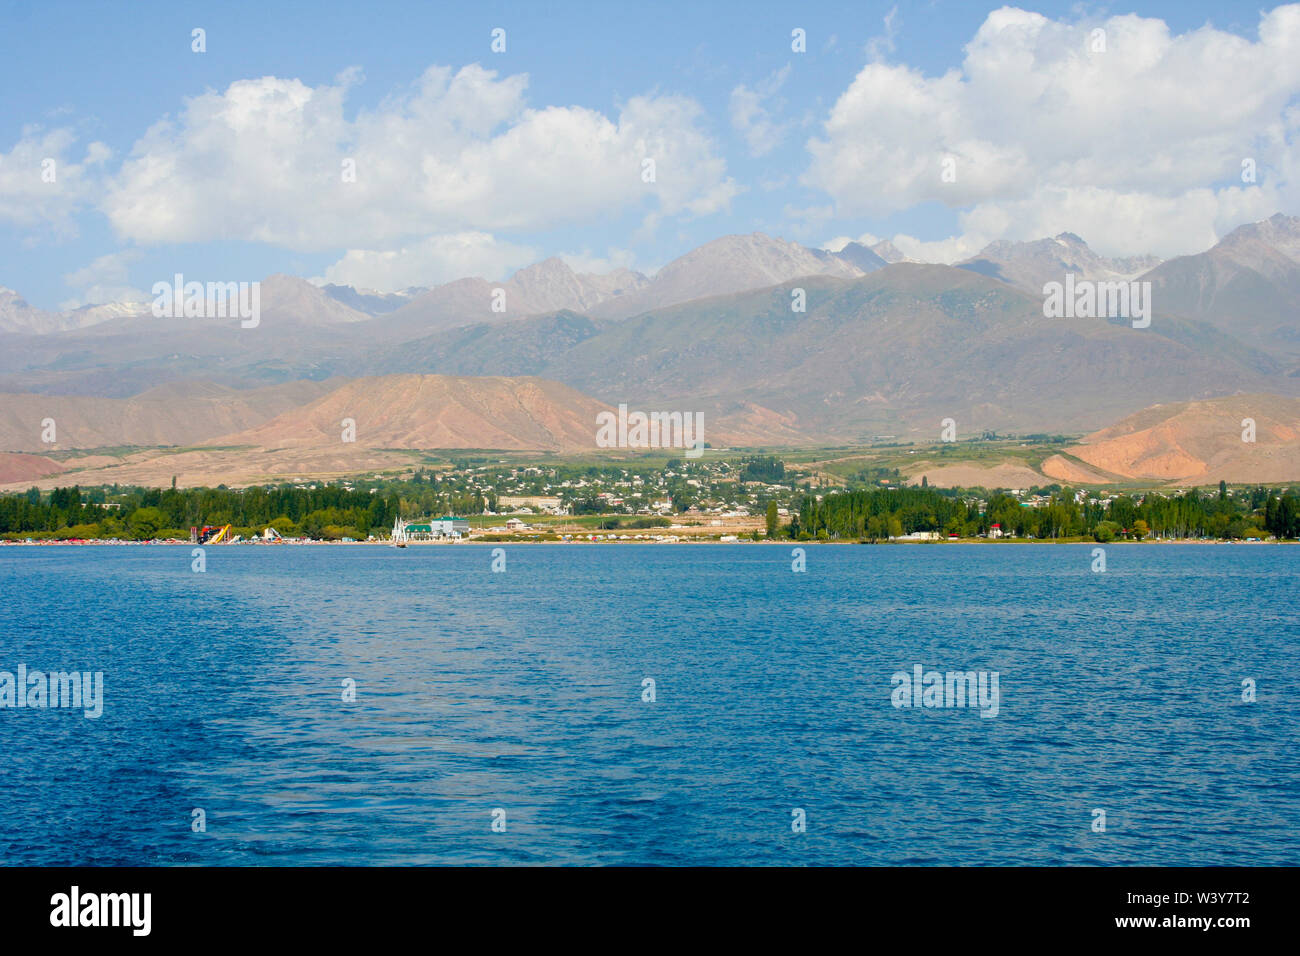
[220,536]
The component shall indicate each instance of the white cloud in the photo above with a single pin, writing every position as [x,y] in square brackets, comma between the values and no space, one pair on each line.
[1124,147]
[585,262]
[1130,223]
[430,261]
[43,184]
[947,251]
[103,280]
[839,242]
[455,153]
[879,46]
[754,120]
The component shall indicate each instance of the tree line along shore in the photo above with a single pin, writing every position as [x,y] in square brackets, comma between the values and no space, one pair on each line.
[340,511]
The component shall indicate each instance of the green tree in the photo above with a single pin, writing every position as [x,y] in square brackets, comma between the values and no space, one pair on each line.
[772,518]
[144,523]
[285,527]
[1105,531]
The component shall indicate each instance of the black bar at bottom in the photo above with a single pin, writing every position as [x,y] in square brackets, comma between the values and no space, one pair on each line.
[338,904]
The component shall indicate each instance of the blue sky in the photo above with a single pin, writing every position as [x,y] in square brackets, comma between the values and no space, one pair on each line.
[1137,151]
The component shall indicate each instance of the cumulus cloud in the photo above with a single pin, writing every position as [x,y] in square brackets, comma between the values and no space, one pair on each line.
[457,153]
[948,251]
[1124,222]
[1135,147]
[43,183]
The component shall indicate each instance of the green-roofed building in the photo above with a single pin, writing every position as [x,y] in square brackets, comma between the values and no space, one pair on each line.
[434,530]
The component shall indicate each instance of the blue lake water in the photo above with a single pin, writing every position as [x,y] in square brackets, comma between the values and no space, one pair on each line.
[523,691]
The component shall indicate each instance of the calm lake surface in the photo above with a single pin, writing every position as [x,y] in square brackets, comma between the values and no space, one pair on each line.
[523,691]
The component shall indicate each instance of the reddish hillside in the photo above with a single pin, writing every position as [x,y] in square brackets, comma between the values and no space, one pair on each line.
[436,411]
[25,467]
[1201,442]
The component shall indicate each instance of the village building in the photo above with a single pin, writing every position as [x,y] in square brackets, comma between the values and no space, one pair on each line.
[444,528]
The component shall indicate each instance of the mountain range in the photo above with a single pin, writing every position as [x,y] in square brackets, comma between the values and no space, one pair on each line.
[1029,265]
[776,343]
[1258,258]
